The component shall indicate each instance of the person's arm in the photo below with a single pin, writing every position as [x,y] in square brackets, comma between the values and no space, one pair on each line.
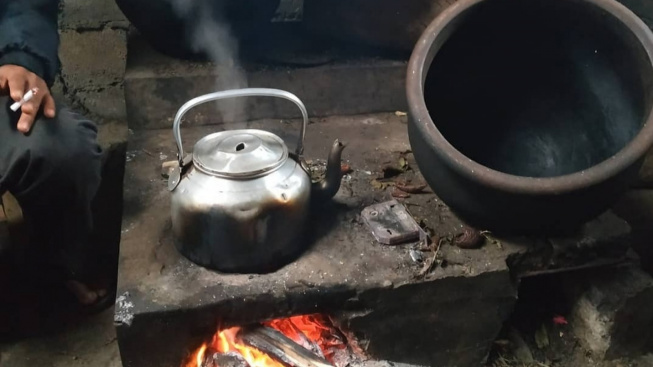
[29,45]
[29,36]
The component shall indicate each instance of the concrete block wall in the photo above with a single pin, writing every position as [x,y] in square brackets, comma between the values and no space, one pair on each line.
[94,48]
[93,54]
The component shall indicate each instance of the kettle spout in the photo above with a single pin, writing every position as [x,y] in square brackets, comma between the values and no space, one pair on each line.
[329,186]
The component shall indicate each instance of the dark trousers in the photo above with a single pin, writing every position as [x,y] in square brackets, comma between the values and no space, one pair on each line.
[54,173]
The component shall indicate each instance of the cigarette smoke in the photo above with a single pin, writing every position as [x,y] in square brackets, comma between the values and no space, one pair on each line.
[210,34]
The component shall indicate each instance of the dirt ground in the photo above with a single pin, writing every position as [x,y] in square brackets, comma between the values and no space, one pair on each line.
[570,354]
[88,343]
[539,334]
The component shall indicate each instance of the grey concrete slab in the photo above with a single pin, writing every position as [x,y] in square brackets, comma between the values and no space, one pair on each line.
[157,85]
[372,289]
[88,344]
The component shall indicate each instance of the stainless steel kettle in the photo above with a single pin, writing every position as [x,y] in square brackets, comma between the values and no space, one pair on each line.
[240,203]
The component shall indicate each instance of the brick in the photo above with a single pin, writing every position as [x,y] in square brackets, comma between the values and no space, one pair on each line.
[106,103]
[93,58]
[91,14]
[156,86]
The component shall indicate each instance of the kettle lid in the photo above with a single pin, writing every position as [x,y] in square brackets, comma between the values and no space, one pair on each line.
[239,153]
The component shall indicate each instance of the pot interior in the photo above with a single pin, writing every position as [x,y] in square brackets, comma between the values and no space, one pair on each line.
[539,88]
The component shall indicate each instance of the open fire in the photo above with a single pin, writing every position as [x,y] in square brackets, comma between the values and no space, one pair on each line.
[306,340]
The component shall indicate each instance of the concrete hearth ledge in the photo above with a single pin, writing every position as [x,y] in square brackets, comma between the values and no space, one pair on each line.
[369,288]
[157,85]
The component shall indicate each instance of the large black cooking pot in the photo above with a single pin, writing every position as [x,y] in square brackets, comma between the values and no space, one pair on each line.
[531,115]
[169,25]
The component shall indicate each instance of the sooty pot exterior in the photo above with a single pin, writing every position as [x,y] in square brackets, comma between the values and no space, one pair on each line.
[492,198]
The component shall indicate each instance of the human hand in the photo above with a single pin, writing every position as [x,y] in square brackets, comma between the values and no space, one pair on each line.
[16,81]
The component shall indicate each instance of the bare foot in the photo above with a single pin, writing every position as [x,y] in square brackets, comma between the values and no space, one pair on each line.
[84,294]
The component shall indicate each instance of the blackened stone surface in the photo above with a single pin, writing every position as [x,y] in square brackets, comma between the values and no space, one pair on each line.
[448,322]
[171,305]
[604,240]
[156,86]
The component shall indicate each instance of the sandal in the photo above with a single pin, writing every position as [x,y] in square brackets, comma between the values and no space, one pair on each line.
[101,302]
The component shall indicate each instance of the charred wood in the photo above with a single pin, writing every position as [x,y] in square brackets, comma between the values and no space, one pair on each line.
[280,348]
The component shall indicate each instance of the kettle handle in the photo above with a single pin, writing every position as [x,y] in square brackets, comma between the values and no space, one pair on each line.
[245,92]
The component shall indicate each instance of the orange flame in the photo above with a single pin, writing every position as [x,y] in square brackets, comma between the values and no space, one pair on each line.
[315,328]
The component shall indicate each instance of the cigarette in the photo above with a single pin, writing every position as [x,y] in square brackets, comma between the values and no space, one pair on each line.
[29,95]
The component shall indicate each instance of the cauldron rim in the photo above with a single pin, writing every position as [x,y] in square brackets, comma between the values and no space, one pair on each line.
[434,37]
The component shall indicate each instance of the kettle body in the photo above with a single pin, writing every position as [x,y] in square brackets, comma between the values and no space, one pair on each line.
[241,202]
[241,226]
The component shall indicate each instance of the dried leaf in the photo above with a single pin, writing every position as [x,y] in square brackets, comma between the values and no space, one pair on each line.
[400,113]
[469,238]
[542,337]
[411,189]
[345,168]
[396,193]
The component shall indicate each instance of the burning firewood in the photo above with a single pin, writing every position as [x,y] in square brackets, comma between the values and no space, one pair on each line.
[306,342]
[469,238]
[280,347]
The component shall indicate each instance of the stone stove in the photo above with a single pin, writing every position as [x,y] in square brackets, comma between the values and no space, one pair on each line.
[168,306]
[385,301]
